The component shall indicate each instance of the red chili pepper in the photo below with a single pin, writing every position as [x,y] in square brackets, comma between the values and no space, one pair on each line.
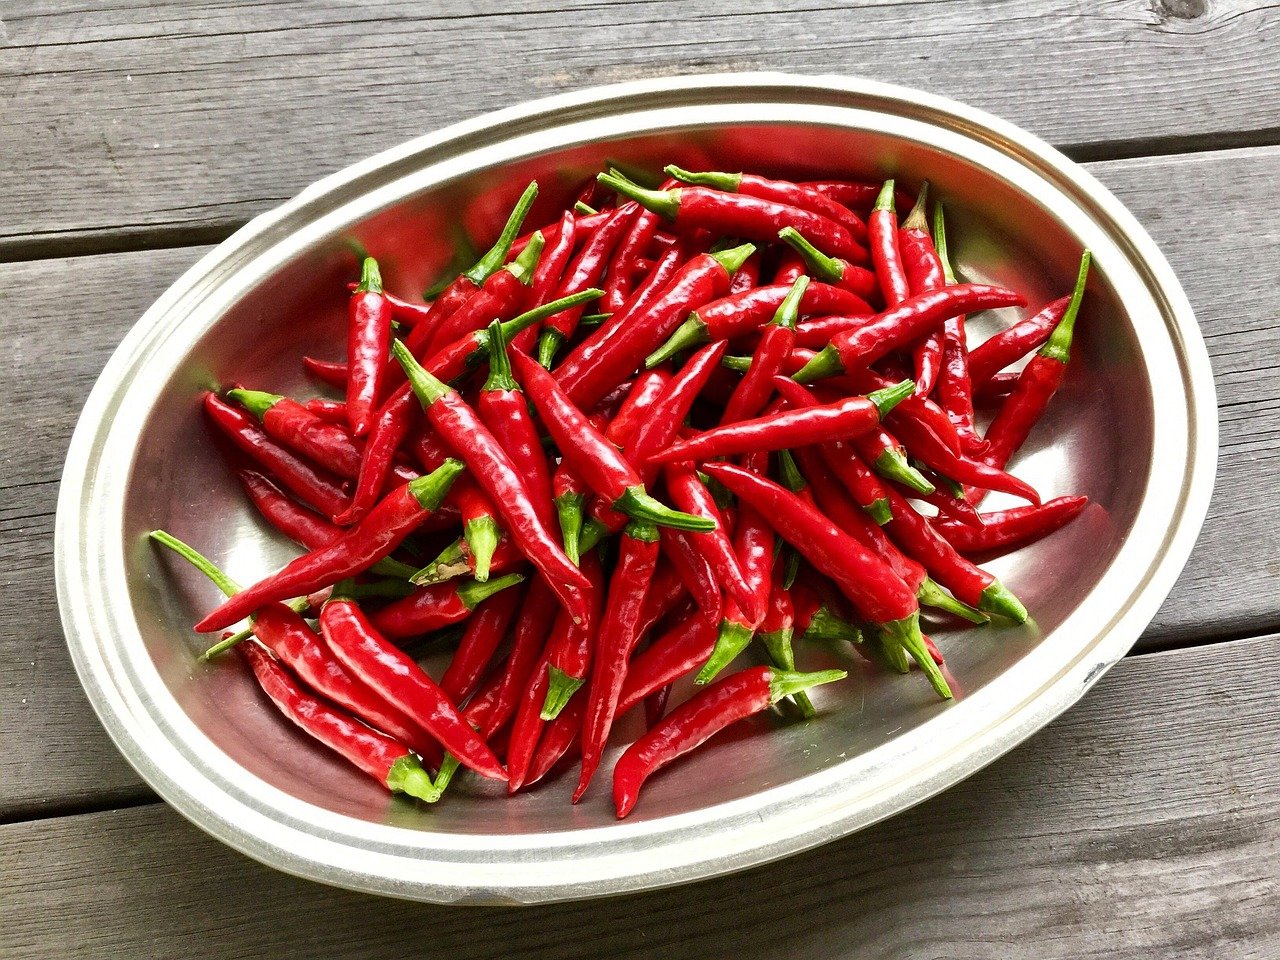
[694,571]
[855,194]
[663,420]
[644,392]
[398,679]
[331,372]
[887,457]
[570,498]
[585,271]
[457,560]
[628,589]
[481,531]
[289,422]
[776,632]
[776,343]
[1006,530]
[924,272]
[667,593]
[741,313]
[404,312]
[779,191]
[537,615]
[932,452]
[678,652]
[610,354]
[376,537]
[747,276]
[1037,385]
[585,224]
[839,273]
[917,408]
[886,258]
[1011,345]
[621,275]
[997,388]
[736,215]
[791,428]
[955,388]
[506,293]
[555,260]
[789,268]
[557,738]
[568,664]
[382,758]
[863,345]
[592,456]
[460,427]
[330,411]
[296,475]
[484,631]
[698,719]
[368,340]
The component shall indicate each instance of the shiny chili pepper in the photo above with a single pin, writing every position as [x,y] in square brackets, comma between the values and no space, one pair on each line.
[917,408]
[779,191]
[628,589]
[955,388]
[480,529]
[503,409]
[679,651]
[368,340]
[585,224]
[1011,345]
[305,482]
[382,758]
[694,571]
[592,456]
[587,270]
[790,428]
[742,313]
[886,257]
[1006,530]
[929,450]
[746,276]
[610,354]
[377,536]
[404,312]
[289,422]
[331,372]
[555,260]
[948,498]
[643,393]
[506,293]
[777,341]
[696,720]
[568,665]
[537,615]
[789,268]
[1039,382]
[839,273]
[664,419]
[866,343]
[854,194]
[776,632]
[485,630]
[887,457]
[557,738]
[924,272]
[330,411]
[666,595]
[997,388]
[621,275]
[460,427]
[737,215]
[397,678]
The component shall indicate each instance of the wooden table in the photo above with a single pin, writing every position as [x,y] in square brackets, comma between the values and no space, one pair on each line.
[1145,822]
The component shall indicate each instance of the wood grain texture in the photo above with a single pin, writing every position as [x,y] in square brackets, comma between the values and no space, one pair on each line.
[131,123]
[53,754]
[1117,831]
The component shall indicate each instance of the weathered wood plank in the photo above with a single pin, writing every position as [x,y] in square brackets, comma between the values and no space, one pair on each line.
[53,754]
[111,130]
[1115,832]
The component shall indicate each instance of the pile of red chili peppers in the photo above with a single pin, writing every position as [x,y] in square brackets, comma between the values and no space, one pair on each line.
[671,431]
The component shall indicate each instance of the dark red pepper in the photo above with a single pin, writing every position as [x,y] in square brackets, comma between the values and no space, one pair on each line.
[1006,530]
[484,632]
[368,343]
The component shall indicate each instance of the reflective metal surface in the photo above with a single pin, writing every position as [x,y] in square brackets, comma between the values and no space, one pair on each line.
[1135,428]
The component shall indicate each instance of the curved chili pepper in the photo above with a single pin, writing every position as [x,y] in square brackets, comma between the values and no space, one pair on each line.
[506,293]
[503,408]
[289,422]
[777,341]
[678,652]
[628,589]
[866,343]
[586,270]
[296,475]
[746,276]
[696,720]
[886,258]
[557,738]
[622,274]
[1006,530]
[331,372]
[779,191]
[382,758]
[537,615]
[585,224]
[1009,346]
[887,457]
[694,571]
[924,271]
[736,215]
[484,631]
[997,388]
[368,340]
[610,354]
[789,268]
[330,411]
[358,549]
[398,679]
[644,392]
[948,498]
[664,419]
[555,260]
[568,665]
[404,312]
[592,456]
[927,448]
[1039,382]
[742,313]
[666,595]
[955,388]
[790,428]
[460,427]
[839,273]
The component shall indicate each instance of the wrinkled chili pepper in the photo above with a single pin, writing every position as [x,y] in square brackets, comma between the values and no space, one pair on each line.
[1006,530]
[698,719]
[368,340]
[395,517]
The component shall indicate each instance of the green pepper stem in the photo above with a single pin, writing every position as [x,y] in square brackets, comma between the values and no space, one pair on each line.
[787,683]
[560,689]
[789,472]
[549,345]
[1058,346]
[387,567]
[665,203]
[885,200]
[692,333]
[636,503]
[569,512]
[940,242]
[777,644]
[222,646]
[452,562]
[593,531]
[482,536]
[998,599]
[893,465]
[522,267]
[790,568]
[197,560]
[826,363]
[828,625]
[827,268]
[584,209]
[527,319]
[916,219]
[431,489]
[500,377]
[370,277]
[641,530]
[731,639]
[444,776]
[256,402]
[788,313]
[879,510]
[476,592]
[886,398]
[932,595]
[733,258]
[905,633]
[737,364]
[407,776]
[426,386]
[720,181]
[496,256]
